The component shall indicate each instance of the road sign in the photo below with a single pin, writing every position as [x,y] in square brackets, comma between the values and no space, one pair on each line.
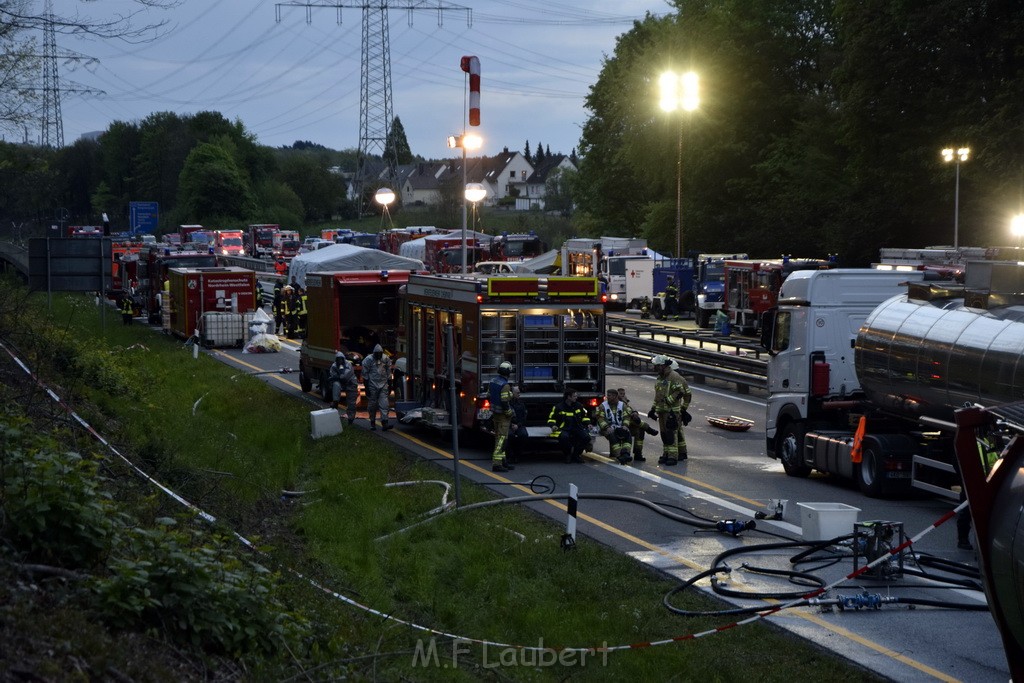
[143,217]
[69,264]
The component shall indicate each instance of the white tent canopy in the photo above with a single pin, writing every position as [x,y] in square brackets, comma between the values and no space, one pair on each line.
[348,257]
[546,263]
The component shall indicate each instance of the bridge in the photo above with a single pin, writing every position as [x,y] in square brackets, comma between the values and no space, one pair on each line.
[14,260]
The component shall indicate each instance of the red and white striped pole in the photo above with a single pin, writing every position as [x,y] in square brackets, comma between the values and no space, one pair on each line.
[471,65]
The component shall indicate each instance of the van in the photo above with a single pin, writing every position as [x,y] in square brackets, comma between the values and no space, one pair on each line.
[228,243]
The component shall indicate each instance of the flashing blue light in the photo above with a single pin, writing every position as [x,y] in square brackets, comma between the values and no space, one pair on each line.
[383,275]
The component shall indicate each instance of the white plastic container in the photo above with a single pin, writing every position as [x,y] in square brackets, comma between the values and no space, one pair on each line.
[822,521]
[325,422]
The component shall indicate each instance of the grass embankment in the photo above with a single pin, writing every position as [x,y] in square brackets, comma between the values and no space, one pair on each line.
[231,444]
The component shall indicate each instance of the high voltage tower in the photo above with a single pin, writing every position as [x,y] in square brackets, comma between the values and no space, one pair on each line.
[375,106]
[52,123]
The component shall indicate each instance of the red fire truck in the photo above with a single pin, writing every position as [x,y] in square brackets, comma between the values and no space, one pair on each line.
[392,240]
[352,312]
[752,287]
[259,239]
[551,328]
[516,246]
[151,272]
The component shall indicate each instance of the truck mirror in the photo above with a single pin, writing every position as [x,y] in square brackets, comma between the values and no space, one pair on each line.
[768,328]
[384,307]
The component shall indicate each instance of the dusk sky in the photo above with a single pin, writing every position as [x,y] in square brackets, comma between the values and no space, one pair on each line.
[291,80]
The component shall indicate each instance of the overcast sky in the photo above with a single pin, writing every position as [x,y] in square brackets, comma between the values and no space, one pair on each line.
[291,80]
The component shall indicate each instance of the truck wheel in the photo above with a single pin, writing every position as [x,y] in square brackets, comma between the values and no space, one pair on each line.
[304,382]
[870,475]
[790,450]
[702,317]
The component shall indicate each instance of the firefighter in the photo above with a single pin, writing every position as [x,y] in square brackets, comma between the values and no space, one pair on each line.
[500,394]
[280,266]
[671,299]
[342,377]
[303,314]
[127,309]
[293,306]
[377,381]
[671,399]
[637,429]
[280,306]
[259,295]
[569,424]
[612,417]
[518,435]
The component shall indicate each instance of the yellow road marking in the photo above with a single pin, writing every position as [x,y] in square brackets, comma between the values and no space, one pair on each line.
[808,616]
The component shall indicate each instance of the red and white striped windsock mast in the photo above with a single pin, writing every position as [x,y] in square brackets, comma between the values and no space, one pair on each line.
[471,65]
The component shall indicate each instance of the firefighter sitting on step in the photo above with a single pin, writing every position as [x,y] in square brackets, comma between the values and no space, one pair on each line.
[637,428]
[569,424]
[612,417]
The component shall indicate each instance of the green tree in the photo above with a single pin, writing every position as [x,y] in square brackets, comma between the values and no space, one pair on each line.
[77,172]
[539,155]
[277,203]
[526,152]
[213,187]
[558,191]
[309,177]
[102,199]
[396,138]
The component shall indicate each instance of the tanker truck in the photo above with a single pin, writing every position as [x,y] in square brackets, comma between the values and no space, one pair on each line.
[860,374]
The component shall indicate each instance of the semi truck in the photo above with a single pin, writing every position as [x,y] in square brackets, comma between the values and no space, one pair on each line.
[550,328]
[351,312]
[862,377]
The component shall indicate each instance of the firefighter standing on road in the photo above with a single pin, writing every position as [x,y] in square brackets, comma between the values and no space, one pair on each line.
[127,309]
[671,399]
[280,266]
[500,394]
[377,381]
[280,310]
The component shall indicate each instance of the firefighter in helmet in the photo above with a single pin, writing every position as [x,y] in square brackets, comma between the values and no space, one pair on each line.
[612,419]
[671,399]
[500,394]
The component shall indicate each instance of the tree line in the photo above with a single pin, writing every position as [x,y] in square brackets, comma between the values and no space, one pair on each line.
[819,128]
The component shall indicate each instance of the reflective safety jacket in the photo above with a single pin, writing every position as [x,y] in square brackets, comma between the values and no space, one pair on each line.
[613,416]
[671,393]
[564,416]
[499,391]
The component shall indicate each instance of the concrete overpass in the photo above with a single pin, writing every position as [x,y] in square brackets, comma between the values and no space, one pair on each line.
[14,260]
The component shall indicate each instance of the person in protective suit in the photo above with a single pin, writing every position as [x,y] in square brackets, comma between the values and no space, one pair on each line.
[637,429]
[671,399]
[499,392]
[377,381]
[612,417]
[342,377]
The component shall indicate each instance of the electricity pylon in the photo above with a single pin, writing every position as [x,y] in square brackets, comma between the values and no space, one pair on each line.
[375,104]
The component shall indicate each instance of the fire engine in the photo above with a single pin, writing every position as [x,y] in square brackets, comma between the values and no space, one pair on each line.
[517,246]
[228,243]
[551,328]
[392,240]
[752,287]
[259,239]
[350,312]
[151,268]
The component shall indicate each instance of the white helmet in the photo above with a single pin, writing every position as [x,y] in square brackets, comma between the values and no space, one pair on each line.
[674,364]
[505,369]
[660,360]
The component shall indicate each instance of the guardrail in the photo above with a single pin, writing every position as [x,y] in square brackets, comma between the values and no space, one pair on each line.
[699,355]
